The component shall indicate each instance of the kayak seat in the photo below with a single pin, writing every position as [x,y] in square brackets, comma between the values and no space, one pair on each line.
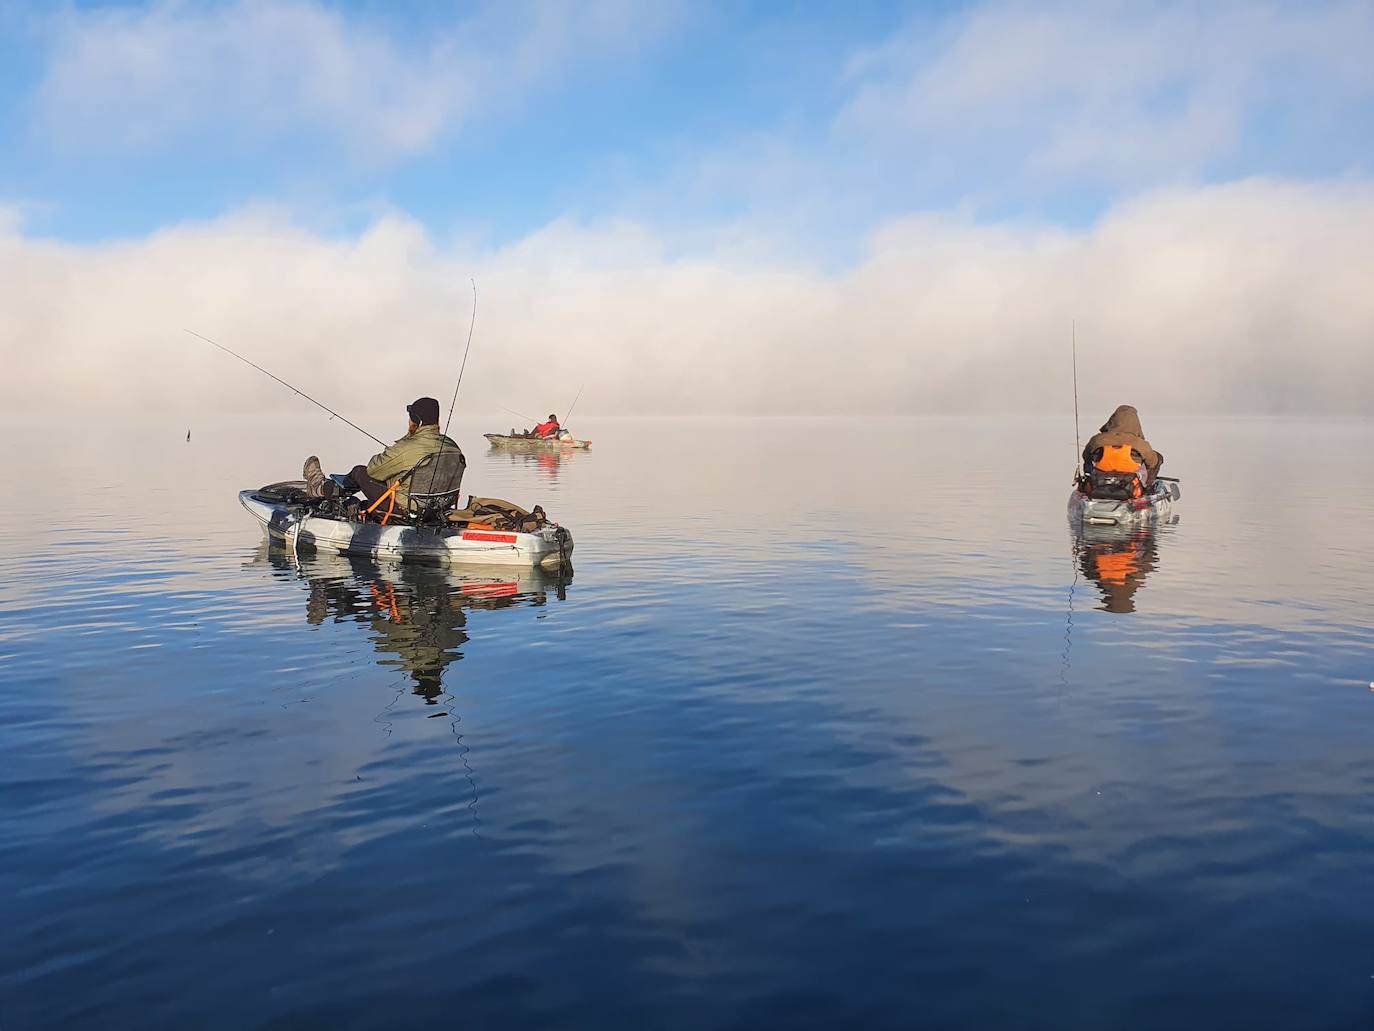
[1114,486]
[434,484]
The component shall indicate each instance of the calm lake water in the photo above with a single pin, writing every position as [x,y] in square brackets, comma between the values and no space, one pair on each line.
[835,725]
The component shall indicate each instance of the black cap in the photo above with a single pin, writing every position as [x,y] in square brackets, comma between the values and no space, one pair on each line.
[425,411]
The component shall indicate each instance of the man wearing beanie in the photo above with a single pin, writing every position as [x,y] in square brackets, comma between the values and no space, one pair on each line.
[422,439]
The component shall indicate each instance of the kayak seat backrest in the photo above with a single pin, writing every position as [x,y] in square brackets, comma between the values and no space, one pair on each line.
[435,482]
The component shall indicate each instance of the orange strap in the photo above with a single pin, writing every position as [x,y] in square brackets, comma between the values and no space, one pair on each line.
[390,498]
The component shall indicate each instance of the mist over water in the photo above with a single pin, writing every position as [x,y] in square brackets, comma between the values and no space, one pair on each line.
[836,724]
[1240,298]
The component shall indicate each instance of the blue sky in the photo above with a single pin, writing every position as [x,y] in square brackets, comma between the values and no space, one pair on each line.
[735,207]
[811,121]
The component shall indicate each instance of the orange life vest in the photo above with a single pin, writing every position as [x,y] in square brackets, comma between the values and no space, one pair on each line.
[1119,458]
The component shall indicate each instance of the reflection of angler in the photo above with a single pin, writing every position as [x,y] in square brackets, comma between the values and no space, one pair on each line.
[418,614]
[423,625]
[1119,564]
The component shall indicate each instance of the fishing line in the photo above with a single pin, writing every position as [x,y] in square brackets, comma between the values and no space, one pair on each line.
[302,393]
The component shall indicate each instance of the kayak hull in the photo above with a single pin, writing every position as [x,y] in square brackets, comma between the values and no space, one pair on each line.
[295,526]
[504,440]
[1156,505]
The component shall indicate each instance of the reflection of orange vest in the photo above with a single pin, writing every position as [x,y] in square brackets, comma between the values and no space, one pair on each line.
[1117,458]
[1115,566]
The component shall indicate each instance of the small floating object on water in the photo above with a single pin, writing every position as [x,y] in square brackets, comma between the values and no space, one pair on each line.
[435,715]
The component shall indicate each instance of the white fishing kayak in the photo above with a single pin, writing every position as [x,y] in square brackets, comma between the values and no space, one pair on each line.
[505,440]
[1157,503]
[297,526]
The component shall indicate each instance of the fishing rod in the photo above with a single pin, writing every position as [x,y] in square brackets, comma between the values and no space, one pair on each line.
[1077,438]
[512,411]
[443,439]
[568,417]
[471,323]
[302,393]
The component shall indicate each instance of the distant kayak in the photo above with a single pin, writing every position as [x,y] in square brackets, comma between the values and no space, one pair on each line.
[1156,503]
[287,517]
[505,440]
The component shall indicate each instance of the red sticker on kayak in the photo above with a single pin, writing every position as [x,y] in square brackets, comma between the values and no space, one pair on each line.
[503,538]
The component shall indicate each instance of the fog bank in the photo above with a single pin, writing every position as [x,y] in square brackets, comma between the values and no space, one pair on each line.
[1251,297]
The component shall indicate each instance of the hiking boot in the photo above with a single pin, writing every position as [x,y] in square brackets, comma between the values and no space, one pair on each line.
[314,478]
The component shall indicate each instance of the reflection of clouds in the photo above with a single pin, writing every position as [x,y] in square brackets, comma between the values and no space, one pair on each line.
[301,699]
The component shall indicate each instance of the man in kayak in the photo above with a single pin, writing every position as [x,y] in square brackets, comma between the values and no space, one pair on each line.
[544,431]
[422,439]
[1120,447]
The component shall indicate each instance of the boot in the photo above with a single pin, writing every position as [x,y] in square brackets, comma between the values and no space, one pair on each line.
[314,478]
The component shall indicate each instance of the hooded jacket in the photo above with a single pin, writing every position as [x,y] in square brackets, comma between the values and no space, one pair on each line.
[1123,428]
[404,455]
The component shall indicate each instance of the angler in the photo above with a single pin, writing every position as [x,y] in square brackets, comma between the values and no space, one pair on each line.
[390,471]
[1120,447]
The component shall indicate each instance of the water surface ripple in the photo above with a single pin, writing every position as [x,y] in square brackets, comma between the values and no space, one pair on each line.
[837,724]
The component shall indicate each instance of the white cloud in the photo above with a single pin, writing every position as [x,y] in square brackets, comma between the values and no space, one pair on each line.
[253,71]
[1120,93]
[1246,297]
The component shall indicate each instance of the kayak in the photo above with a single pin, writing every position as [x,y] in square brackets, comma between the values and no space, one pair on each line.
[285,519]
[505,440]
[1156,503]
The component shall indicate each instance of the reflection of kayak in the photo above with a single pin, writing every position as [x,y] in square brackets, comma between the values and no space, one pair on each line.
[536,443]
[293,523]
[1157,503]
[476,585]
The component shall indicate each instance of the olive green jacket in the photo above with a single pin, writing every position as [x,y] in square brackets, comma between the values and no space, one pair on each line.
[404,455]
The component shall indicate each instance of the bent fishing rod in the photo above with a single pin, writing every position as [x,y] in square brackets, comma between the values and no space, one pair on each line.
[471,323]
[302,393]
[443,438]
